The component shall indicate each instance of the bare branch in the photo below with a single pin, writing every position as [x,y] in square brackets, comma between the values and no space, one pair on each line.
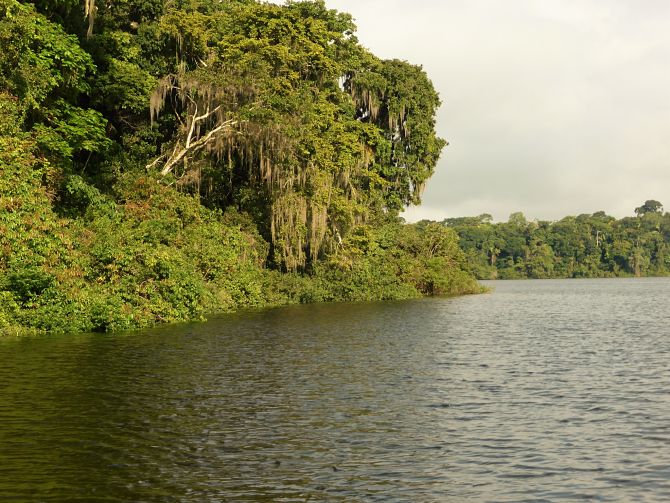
[191,148]
[155,161]
[192,128]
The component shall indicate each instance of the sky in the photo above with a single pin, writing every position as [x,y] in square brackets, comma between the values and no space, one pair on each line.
[551,107]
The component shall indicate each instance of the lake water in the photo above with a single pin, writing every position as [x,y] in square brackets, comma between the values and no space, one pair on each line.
[554,390]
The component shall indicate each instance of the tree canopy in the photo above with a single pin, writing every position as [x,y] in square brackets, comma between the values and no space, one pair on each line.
[284,104]
[595,245]
[186,155]
[274,110]
[649,206]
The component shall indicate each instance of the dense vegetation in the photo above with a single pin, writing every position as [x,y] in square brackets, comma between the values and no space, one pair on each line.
[163,159]
[586,246]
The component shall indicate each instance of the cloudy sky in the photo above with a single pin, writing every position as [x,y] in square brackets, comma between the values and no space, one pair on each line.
[551,107]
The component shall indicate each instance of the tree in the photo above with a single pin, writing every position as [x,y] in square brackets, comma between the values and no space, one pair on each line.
[47,71]
[588,245]
[162,159]
[649,206]
[279,112]
[518,219]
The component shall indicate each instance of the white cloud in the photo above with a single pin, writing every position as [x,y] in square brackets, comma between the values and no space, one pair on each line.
[551,108]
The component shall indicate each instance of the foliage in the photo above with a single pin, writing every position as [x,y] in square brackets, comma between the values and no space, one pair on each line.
[594,245]
[391,260]
[160,160]
[47,70]
[649,206]
[282,102]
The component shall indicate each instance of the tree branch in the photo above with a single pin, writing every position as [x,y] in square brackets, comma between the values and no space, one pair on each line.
[178,156]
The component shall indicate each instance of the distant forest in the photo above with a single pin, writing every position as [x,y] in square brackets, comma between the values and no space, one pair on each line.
[585,246]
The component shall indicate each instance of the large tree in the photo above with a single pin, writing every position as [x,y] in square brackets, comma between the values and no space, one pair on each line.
[277,111]
[282,113]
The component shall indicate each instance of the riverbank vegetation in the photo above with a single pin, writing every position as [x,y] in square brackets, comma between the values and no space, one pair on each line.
[586,246]
[160,160]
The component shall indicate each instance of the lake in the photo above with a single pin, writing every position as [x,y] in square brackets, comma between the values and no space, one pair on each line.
[549,390]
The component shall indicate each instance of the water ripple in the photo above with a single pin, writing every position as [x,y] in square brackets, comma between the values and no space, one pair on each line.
[541,391]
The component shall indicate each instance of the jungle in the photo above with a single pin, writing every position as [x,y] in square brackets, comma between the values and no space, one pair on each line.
[162,160]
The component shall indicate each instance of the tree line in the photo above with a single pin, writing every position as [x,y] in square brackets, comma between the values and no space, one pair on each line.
[163,159]
[585,246]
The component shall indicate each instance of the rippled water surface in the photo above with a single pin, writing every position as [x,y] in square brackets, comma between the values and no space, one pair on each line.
[540,391]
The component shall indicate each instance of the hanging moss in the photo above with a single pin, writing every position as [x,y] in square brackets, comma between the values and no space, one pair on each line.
[170,158]
[297,136]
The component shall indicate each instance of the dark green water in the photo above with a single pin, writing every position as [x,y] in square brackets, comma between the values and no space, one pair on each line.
[541,391]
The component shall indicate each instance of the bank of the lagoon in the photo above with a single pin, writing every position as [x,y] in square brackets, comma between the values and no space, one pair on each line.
[162,160]
[546,390]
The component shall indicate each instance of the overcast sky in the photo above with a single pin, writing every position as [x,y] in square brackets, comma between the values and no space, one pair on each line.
[551,107]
